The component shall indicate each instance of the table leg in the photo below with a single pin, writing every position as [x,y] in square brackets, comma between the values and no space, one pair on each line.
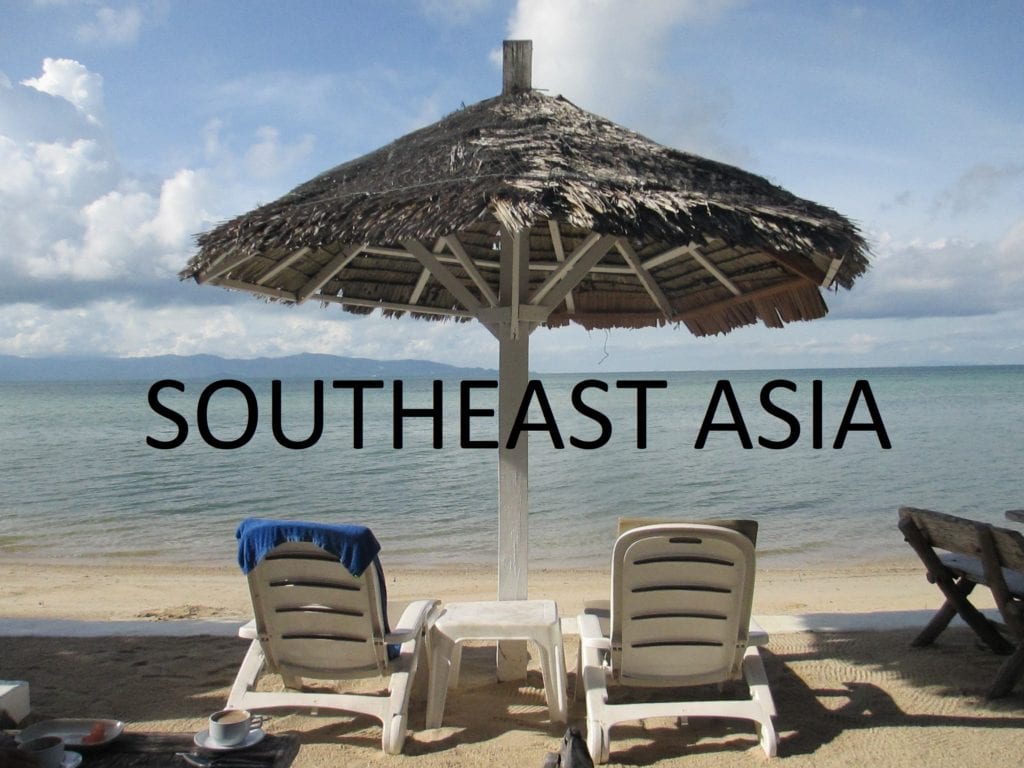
[456,666]
[440,669]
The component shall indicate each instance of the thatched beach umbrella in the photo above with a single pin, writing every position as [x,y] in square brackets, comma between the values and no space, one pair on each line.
[525,210]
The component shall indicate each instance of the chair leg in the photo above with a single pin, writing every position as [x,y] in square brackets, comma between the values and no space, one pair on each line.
[395,719]
[598,742]
[767,737]
[594,683]
[757,681]
[956,589]
[245,680]
[400,691]
[393,736]
[1008,674]
[936,626]
[957,603]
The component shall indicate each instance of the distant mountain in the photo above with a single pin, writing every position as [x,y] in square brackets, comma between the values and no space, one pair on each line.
[304,366]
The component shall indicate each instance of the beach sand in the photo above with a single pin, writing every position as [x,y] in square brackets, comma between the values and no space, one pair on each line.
[123,591]
[845,698]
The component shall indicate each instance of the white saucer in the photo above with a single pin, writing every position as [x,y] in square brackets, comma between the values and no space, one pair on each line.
[71,759]
[203,741]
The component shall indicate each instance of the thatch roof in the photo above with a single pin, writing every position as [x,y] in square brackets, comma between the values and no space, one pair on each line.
[697,241]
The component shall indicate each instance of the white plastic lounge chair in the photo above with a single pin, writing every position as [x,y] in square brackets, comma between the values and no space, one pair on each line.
[320,612]
[680,617]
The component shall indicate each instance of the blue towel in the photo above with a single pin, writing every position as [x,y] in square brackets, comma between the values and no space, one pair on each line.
[355,546]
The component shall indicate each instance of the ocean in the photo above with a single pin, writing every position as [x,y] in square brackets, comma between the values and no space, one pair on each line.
[81,482]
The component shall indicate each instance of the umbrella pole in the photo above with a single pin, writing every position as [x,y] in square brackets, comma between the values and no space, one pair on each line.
[513,473]
[513,494]
[513,462]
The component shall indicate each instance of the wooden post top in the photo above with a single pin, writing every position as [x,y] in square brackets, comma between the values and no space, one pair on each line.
[517,67]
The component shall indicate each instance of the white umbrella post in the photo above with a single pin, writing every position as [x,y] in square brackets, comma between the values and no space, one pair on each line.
[513,333]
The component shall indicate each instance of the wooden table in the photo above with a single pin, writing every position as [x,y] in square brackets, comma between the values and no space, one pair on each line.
[156,750]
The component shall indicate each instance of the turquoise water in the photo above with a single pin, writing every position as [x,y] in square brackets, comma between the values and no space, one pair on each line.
[79,480]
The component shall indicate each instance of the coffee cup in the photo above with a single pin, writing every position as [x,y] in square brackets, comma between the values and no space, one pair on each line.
[47,750]
[229,727]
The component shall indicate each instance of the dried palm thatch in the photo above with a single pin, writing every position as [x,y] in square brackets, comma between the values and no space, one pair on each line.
[665,236]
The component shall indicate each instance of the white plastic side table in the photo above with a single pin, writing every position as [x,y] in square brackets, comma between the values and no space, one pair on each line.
[532,620]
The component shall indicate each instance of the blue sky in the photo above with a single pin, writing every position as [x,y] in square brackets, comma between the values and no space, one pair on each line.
[127,127]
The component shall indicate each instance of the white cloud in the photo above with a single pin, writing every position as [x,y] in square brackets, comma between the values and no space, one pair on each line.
[72,170]
[608,56]
[938,278]
[75,225]
[180,212]
[66,211]
[69,80]
[579,44]
[269,157]
[111,234]
[92,250]
[113,26]
[18,178]
[248,328]
[44,199]
[979,186]
[1012,243]
[28,331]
[129,232]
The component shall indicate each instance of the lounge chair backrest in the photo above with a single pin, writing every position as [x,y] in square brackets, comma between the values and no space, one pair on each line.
[747,527]
[314,618]
[681,598]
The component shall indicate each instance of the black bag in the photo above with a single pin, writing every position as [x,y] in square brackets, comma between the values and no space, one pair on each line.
[572,754]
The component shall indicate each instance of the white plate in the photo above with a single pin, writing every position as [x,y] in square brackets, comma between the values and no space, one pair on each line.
[73,731]
[203,741]
[71,760]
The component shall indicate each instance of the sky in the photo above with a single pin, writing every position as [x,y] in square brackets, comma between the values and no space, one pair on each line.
[126,128]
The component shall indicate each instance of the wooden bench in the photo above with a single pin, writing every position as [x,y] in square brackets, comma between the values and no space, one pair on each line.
[973,553]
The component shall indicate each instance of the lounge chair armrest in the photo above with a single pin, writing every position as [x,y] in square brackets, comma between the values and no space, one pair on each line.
[414,619]
[248,630]
[590,632]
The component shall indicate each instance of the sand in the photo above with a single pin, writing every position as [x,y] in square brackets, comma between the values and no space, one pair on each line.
[844,697]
